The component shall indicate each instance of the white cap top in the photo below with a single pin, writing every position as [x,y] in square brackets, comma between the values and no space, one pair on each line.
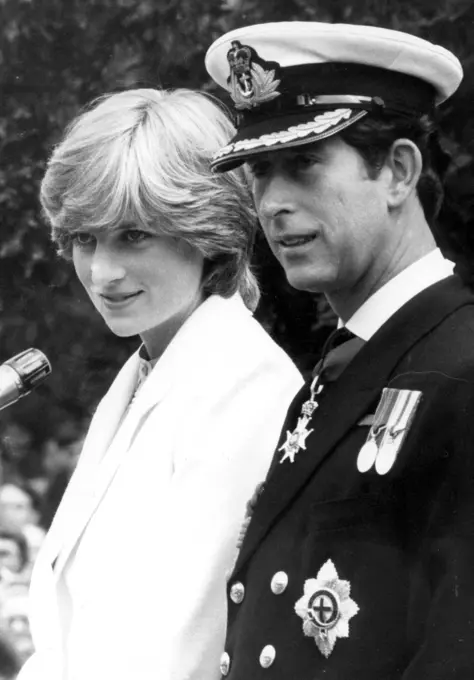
[293,43]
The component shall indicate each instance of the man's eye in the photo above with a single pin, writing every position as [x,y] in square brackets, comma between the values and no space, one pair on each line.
[259,169]
[82,238]
[304,160]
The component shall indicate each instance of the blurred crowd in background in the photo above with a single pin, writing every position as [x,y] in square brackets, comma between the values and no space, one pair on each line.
[26,512]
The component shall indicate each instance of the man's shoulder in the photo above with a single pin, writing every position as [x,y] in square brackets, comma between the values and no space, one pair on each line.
[437,326]
[451,341]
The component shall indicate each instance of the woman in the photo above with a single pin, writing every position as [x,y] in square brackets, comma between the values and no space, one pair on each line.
[131,580]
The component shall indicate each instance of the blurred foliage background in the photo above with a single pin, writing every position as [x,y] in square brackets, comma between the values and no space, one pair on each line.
[55,56]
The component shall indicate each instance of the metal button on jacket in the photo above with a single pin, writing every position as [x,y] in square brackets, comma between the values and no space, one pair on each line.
[237,593]
[225,663]
[279,582]
[267,656]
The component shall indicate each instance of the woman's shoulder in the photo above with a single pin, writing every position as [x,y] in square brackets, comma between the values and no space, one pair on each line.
[237,348]
[236,328]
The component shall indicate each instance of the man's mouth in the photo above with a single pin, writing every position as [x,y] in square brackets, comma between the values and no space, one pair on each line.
[293,241]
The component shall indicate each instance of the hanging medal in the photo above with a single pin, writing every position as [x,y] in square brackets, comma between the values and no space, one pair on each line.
[392,421]
[296,440]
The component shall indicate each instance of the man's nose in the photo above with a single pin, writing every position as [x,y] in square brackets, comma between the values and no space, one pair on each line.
[106,268]
[276,198]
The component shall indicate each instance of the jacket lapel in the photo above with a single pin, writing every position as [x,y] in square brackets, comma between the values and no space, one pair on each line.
[349,400]
[95,469]
[103,451]
[105,468]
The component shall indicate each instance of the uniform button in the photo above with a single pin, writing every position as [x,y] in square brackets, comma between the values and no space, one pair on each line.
[225,663]
[237,593]
[267,656]
[279,583]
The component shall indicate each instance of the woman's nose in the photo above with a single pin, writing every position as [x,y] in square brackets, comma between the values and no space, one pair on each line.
[106,268]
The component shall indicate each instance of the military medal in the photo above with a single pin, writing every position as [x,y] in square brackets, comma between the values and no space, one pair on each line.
[326,608]
[368,452]
[392,421]
[296,440]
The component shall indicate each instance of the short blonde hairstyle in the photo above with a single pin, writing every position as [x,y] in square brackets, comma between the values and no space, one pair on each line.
[143,156]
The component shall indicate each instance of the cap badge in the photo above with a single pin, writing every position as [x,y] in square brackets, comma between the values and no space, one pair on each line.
[250,83]
[392,420]
[326,608]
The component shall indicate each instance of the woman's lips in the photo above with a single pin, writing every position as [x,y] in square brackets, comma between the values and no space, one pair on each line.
[119,300]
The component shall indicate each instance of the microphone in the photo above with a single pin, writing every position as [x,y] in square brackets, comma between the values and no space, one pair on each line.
[21,374]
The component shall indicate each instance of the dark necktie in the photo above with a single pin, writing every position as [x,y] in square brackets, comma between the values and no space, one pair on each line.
[341,347]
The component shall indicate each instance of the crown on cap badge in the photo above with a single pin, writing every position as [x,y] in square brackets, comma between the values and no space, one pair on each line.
[250,83]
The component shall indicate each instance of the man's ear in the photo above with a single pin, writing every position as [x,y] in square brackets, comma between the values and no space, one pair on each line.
[405,162]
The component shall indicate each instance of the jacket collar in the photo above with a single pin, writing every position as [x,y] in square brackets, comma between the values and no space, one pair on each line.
[194,342]
[391,297]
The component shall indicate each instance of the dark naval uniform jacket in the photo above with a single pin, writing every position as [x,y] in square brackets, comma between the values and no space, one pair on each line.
[350,575]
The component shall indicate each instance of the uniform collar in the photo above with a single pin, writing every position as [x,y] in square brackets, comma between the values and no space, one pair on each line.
[398,291]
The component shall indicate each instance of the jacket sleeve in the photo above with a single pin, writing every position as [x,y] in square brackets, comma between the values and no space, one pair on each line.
[443,527]
[221,454]
[40,666]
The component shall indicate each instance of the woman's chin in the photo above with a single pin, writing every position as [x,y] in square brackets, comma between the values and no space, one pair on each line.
[122,330]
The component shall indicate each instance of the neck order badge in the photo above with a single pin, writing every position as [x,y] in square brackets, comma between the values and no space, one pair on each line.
[339,350]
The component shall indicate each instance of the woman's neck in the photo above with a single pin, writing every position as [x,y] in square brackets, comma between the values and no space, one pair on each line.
[157,339]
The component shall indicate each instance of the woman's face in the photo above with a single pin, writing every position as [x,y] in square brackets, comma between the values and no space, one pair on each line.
[139,281]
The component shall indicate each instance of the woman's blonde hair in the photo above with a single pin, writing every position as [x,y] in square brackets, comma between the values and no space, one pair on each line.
[143,157]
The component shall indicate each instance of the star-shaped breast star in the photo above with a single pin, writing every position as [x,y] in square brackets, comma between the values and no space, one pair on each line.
[326,608]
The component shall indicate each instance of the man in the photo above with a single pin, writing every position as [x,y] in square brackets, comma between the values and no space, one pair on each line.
[358,561]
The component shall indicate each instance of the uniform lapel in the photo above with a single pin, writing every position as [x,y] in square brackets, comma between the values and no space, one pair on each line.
[349,400]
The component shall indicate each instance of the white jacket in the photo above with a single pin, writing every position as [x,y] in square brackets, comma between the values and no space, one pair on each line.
[146,532]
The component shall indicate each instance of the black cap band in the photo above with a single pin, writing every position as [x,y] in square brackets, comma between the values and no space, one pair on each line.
[320,87]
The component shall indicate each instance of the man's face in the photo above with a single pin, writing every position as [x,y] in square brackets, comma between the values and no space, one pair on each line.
[325,219]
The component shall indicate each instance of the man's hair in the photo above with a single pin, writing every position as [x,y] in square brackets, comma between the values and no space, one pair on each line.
[373,136]
[143,157]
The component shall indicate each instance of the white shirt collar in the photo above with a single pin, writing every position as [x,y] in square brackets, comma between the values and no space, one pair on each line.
[393,295]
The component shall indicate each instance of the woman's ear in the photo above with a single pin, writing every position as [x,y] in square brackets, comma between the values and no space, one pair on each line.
[405,162]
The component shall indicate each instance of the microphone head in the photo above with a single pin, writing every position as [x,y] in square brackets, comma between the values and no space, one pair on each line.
[32,367]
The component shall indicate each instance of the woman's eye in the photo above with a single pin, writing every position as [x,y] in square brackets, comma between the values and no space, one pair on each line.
[82,238]
[135,235]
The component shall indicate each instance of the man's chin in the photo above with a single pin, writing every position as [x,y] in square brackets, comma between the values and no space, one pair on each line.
[307,282]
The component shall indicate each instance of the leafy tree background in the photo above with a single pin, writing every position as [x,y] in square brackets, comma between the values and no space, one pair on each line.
[55,56]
